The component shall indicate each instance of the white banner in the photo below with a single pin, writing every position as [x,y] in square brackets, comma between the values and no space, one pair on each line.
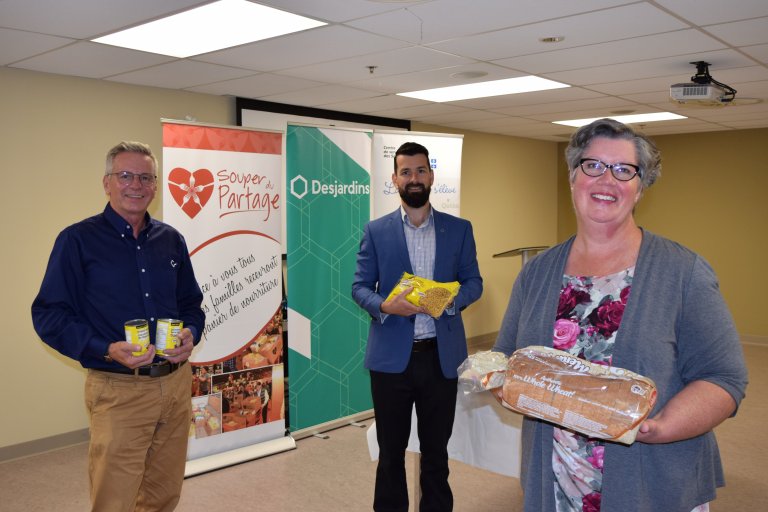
[444,158]
[223,191]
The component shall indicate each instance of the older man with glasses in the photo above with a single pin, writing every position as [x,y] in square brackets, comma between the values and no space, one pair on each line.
[117,266]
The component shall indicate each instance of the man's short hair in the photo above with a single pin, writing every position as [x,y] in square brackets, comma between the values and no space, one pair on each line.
[129,146]
[410,149]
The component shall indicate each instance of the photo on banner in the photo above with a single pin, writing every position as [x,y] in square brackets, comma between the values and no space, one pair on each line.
[223,192]
[328,205]
[444,160]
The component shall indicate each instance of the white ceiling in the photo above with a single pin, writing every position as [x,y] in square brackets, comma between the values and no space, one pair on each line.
[618,55]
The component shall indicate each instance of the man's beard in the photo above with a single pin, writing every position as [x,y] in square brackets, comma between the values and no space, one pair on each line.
[415,196]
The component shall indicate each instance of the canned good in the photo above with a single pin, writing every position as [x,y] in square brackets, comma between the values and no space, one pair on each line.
[167,334]
[137,332]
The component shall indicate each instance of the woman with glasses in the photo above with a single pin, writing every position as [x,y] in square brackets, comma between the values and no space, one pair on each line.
[618,295]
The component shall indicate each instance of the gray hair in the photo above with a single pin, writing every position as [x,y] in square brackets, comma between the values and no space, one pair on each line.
[130,146]
[648,155]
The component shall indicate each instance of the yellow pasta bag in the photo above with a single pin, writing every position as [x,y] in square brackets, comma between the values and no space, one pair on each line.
[433,296]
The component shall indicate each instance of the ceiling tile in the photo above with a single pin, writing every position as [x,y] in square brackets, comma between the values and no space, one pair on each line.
[650,68]
[336,11]
[448,19]
[443,77]
[375,105]
[629,88]
[320,96]
[742,125]
[742,33]
[17,45]
[462,116]
[706,12]
[681,42]
[257,86]
[531,98]
[423,110]
[604,104]
[180,74]
[393,62]
[306,48]
[91,60]
[609,25]
[760,52]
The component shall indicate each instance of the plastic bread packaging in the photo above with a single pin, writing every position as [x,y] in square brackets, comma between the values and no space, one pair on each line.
[603,402]
[483,371]
[433,296]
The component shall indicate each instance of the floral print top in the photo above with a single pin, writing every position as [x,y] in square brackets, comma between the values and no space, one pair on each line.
[588,316]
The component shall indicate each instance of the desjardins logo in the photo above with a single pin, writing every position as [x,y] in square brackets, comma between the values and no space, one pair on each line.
[300,187]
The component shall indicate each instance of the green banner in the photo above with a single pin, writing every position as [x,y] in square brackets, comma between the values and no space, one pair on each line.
[328,205]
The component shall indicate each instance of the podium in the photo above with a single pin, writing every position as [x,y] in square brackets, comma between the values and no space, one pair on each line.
[525,252]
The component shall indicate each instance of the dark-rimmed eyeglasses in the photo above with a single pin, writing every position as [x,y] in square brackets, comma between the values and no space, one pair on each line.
[125,178]
[594,168]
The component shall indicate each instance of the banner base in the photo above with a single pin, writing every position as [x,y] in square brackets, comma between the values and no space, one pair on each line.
[230,458]
[353,419]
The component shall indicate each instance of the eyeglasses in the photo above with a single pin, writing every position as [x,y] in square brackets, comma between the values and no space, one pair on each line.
[595,168]
[125,178]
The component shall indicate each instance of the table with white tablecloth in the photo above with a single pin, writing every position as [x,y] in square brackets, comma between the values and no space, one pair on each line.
[485,435]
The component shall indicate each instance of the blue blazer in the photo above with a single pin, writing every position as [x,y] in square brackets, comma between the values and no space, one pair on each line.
[381,261]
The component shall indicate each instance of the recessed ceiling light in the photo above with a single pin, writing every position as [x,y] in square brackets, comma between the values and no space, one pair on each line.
[211,27]
[485,89]
[634,118]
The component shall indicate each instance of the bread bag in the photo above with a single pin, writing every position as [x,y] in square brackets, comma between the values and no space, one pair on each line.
[603,402]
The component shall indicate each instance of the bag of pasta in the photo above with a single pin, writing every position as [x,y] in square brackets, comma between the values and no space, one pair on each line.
[433,296]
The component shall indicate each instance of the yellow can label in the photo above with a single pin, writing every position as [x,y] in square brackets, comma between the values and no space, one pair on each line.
[167,334]
[137,332]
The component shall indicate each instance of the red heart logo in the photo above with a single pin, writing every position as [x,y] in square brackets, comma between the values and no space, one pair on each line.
[191,191]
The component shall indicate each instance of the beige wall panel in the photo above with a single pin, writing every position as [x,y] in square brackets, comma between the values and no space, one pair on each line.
[711,198]
[55,132]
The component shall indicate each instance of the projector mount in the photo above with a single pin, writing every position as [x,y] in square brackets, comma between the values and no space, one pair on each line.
[703,77]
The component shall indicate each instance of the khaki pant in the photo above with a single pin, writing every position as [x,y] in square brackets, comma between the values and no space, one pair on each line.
[139,432]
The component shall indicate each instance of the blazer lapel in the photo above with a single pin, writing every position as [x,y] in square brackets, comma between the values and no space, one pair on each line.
[441,245]
[398,235]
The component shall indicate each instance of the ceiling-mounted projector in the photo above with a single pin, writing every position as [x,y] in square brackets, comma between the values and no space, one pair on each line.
[684,93]
[702,89]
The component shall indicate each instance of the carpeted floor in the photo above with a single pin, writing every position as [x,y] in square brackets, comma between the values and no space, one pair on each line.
[336,474]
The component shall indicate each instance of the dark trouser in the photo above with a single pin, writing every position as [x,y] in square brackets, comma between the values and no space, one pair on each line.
[394,394]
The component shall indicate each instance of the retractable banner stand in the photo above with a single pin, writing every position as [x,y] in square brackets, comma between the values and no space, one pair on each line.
[444,159]
[328,201]
[222,190]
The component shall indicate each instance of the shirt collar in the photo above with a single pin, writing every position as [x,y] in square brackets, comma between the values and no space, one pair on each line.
[407,221]
[121,225]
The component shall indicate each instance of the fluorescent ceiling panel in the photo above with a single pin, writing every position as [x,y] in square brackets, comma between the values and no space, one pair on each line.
[208,28]
[485,89]
[630,119]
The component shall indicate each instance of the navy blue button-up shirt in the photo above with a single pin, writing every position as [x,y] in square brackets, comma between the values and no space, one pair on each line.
[99,276]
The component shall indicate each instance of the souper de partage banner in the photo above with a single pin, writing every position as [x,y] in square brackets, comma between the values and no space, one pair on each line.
[222,189]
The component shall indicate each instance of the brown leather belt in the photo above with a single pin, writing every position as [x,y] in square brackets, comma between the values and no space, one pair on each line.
[160,369]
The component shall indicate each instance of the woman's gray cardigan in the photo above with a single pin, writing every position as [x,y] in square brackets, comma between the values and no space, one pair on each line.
[676,329]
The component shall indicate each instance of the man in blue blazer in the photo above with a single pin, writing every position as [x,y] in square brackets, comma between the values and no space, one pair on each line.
[412,357]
